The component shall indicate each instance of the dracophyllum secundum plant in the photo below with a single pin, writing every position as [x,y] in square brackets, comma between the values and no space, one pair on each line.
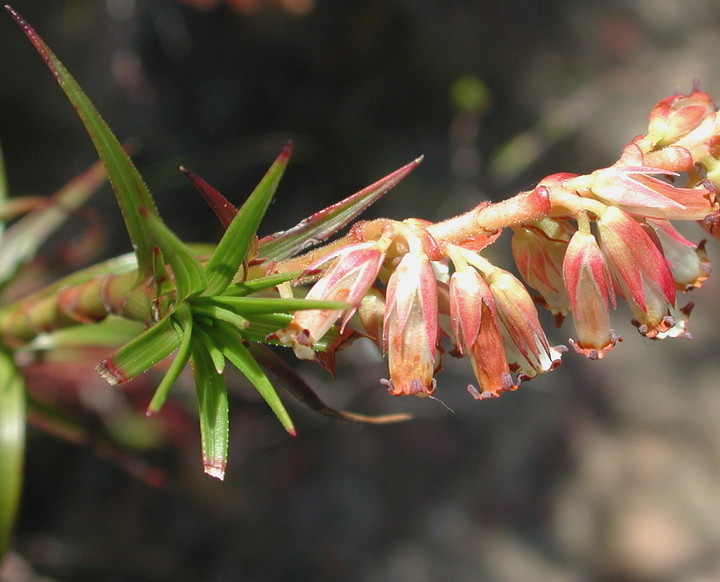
[580,243]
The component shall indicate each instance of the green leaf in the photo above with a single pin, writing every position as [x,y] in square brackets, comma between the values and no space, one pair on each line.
[212,410]
[243,288]
[231,343]
[225,262]
[141,353]
[189,275]
[215,352]
[130,189]
[262,326]
[323,224]
[111,331]
[247,306]
[12,444]
[216,312]
[22,240]
[184,321]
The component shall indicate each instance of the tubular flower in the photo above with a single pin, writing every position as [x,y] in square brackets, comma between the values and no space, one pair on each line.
[410,326]
[539,250]
[590,290]
[354,269]
[640,271]
[529,351]
[476,332]
[688,262]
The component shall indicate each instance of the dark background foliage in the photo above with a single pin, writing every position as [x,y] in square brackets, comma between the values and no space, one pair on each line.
[600,471]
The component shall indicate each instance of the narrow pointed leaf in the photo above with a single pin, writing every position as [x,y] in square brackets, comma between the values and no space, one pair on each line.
[213,350]
[130,189]
[252,285]
[222,207]
[12,444]
[323,224]
[183,320]
[225,262]
[231,343]
[263,327]
[212,411]
[112,331]
[22,240]
[246,306]
[214,312]
[140,354]
[189,275]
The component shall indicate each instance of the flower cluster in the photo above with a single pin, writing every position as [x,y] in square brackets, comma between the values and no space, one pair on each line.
[580,241]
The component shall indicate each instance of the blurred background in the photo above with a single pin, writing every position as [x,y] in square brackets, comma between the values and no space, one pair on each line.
[601,471]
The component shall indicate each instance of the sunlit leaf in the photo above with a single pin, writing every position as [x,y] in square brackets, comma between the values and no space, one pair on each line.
[323,224]
[189,275]
[262,327]
[112,331]
[213,349]
[184,326]
[247,306]
[225,262]
[232,345]
[12,444]
[212,410]
[130,190]
[141,353]
[243,288]
[213,312]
